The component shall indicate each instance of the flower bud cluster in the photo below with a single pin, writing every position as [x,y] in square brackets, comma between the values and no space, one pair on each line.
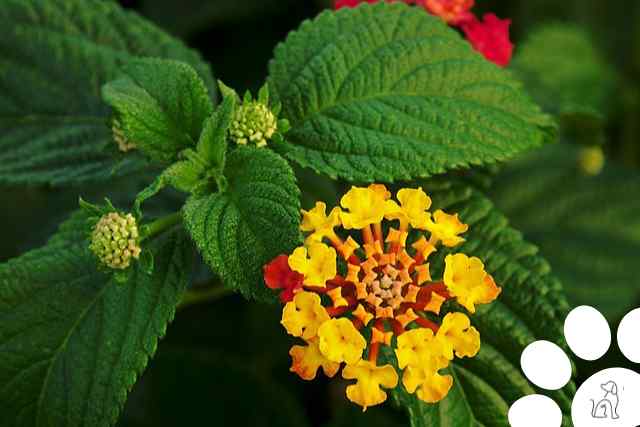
[254,122]
[115,240]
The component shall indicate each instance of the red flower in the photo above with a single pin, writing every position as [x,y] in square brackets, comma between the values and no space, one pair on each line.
[278,275]
[453,12]
[338,4]
[490,37]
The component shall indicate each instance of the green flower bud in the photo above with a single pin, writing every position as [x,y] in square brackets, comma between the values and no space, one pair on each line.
[124,144]
[115,240]
[254,122]
[591,160]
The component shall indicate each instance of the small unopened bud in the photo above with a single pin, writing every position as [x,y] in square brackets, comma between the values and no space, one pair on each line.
[115,240]
[124,144]
[255,123]
[591,160]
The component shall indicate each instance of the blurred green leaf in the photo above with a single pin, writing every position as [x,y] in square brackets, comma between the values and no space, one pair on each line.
[587,226]
[72,340]
[388,92]
[256,219]
[566,74]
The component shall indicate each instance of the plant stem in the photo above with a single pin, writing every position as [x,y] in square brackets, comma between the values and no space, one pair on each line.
[160,225]
[199,296]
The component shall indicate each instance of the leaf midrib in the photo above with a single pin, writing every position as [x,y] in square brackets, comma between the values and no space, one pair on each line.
[64,343]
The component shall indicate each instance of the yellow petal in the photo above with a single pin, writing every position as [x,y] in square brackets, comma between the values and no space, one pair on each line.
[428,385]
[417,347]
[298,260]
[457,335]
[370,378]
[446,228]
[467,280]
[306,360]
[336,296]
[415,203]
[424,247]
[303,316]
[340,341]
[435,303]
[364,316]
[378,336]
[318,264]
[365,206]
[318,223]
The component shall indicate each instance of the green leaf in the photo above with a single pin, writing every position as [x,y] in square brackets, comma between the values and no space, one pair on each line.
[567,75]
[239,230]
[72,341]
[184,175]
[588,226]
[212,145]
[161,106]
[532,306]
[386,92]
[201,168]
[54,57]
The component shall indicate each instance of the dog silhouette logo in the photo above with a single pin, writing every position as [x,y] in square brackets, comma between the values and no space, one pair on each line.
[608,398]
[607,407]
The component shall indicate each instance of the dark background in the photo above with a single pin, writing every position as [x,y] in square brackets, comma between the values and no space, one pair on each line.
[226,363]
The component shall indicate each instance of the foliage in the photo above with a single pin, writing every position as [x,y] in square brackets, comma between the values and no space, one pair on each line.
[586,225]
[160,106]
[388,92]
[238,231]
[94,95]
[567,75]
[56,55]
[73,340]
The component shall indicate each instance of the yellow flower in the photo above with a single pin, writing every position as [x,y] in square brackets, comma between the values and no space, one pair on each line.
[366,205]
[319,267]
[418,347]
[446,228]
[457,335]
[412,209]
[303,316]
[340,341]
[318,223]
[427,383]
[370,378]
[467,280]
[306,360]
[381,189]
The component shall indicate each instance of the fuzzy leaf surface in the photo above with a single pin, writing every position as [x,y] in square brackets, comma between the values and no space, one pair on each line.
[161,106]
[55,55]
[256,219]
[72,340]
[387,92]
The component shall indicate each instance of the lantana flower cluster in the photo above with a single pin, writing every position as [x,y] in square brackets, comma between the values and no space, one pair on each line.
[362,281]
[489,36]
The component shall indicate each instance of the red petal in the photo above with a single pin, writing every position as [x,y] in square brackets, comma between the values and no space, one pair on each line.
[491,38]
[276,272]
